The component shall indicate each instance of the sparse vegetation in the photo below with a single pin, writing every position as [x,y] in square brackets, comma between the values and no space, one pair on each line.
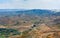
[8,32]
[29,24]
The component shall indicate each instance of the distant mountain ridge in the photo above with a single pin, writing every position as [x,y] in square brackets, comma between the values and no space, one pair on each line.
[38,12]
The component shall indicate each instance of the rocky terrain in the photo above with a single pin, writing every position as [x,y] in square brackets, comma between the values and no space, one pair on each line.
[35,23]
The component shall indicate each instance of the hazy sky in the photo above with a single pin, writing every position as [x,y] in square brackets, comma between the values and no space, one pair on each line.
[29,4]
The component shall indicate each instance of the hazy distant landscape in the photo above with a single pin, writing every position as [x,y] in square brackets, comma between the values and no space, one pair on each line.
[34,23]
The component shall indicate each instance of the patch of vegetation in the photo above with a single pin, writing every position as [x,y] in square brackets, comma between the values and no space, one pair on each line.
[8,32]
[1,36]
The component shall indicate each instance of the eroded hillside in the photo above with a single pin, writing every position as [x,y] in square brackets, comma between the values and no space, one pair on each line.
[30,24]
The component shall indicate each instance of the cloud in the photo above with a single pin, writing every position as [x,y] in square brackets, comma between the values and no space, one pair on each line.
[30,4]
